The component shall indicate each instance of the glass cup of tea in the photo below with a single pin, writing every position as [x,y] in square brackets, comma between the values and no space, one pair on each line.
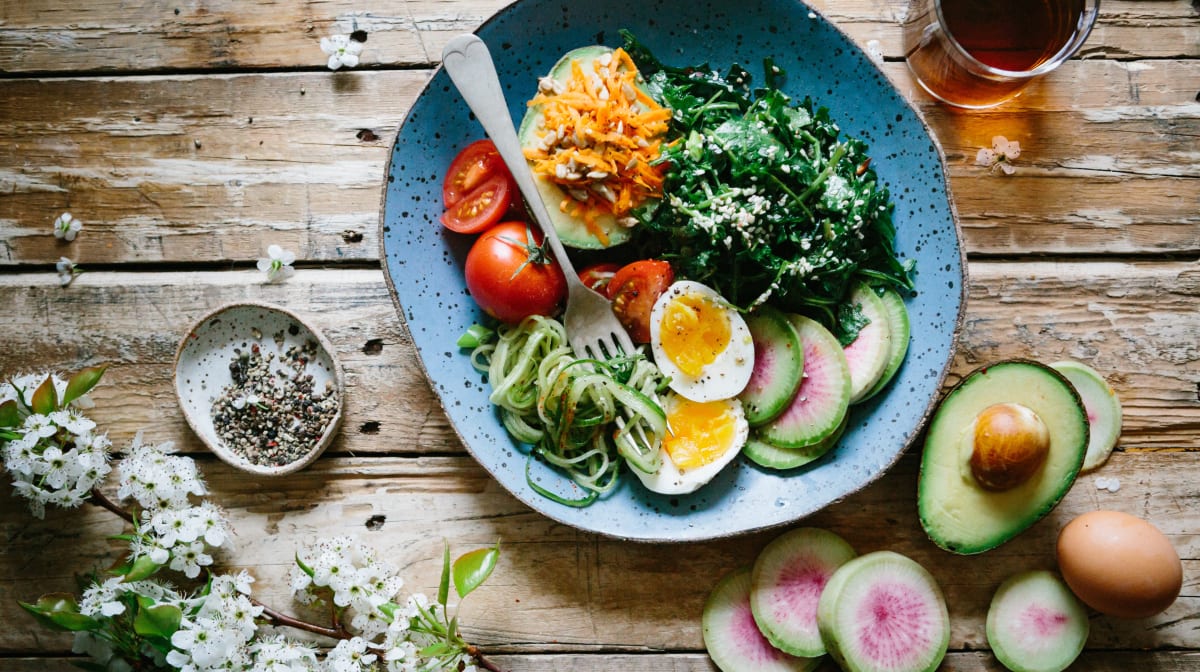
[980,53]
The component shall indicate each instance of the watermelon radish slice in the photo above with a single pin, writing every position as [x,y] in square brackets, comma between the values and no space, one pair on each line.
[786,584]
[773,457]
[882,612]
[868,354]
[778,366]
[733,640]
[897,314]
[821,403]
[1036,624]
[1103,410]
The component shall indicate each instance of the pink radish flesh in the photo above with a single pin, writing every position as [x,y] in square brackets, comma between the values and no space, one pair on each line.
[789,576]
[895,624]
[731,636]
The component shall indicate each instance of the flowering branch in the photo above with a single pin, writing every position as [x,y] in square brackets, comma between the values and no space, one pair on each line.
[99,499]
[281,619]
[130,620]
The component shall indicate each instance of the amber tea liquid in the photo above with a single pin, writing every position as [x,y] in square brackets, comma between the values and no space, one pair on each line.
[977,53]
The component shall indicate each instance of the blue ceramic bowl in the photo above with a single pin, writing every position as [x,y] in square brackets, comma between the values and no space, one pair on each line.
[423,262]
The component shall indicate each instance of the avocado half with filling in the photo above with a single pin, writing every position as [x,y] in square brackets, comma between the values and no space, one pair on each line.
[1003,448]
[571,230]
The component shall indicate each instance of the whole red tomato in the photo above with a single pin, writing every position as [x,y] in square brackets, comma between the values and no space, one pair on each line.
[511,275]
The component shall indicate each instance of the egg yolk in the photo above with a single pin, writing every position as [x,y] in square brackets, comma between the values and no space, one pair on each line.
[694,331]
[699,432]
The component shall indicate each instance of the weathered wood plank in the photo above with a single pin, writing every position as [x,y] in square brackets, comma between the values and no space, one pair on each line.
[557,589]
[1100,661]
[154,35]
[1135,322]
[213,168]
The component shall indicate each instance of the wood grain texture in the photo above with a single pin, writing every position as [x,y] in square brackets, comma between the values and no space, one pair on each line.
[1105,661]
[560,590]
[213,168]
[1134,322]
[142,35]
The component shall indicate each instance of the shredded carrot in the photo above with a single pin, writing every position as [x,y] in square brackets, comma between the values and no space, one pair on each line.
[599,139]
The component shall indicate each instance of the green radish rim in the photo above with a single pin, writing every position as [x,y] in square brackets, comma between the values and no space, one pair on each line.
[901,328]
[823,399]
[875,581]
[786,584]
[733,641]
[1036,607]
[1103,409]
[770,456]
[778,366]
[868,354]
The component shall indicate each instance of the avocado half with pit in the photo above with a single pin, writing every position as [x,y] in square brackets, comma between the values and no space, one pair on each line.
[1002,449]
[571,230]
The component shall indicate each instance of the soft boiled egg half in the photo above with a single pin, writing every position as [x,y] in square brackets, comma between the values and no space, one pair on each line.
[702,438]
[700,342]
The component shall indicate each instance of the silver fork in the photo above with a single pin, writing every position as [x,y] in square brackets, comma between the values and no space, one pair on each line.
[592,328]
[593,331]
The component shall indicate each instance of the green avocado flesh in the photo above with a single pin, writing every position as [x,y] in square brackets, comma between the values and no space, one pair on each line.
[572,230]
[957,513]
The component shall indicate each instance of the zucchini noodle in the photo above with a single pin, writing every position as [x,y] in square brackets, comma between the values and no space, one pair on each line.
[580,415]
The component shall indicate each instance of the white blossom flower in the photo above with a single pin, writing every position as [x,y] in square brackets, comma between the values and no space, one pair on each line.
[51,464]
[66,227]
[155,479]
[186,533]
[1000,156]
[277,264]
[189,558]
[66,271]
[350,655]
[279,654]
[342,51]
[103,598]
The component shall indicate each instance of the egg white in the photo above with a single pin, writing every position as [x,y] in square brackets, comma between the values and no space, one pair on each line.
[669,480]
[729,373]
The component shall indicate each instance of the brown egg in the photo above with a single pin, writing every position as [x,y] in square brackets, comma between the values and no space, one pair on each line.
[1119,565]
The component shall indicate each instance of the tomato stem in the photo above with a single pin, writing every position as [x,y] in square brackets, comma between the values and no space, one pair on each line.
[534,253]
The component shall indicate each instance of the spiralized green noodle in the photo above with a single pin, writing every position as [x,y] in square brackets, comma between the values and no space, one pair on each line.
[580,415]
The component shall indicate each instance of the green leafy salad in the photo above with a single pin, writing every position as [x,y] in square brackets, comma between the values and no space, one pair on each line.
[763,199]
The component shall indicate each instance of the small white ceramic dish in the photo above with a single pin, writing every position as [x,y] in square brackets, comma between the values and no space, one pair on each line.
[202,372]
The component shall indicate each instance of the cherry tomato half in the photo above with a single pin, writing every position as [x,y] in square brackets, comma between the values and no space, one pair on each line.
[510,278]
[633,291]
[597,276]
[474,164]
[484,206]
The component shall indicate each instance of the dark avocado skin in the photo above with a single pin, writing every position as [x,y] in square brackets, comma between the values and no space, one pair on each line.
[1018,377]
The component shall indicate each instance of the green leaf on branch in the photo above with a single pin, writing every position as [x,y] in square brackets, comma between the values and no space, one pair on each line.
[389,610]
[436,650]
[141,568]
[45,397]
[158,621]
[58,611]
[10,414]
[443,595]
[303,567]
[472,569]
[82,383]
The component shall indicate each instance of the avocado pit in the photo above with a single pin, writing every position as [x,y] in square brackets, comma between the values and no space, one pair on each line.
[1010,443]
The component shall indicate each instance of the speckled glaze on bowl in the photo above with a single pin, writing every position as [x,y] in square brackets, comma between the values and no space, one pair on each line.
[423,262]
[202,371]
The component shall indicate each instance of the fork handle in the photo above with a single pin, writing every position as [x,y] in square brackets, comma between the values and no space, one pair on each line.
[469,63]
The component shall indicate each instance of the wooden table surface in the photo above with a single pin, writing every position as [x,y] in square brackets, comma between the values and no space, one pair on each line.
[188,136]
